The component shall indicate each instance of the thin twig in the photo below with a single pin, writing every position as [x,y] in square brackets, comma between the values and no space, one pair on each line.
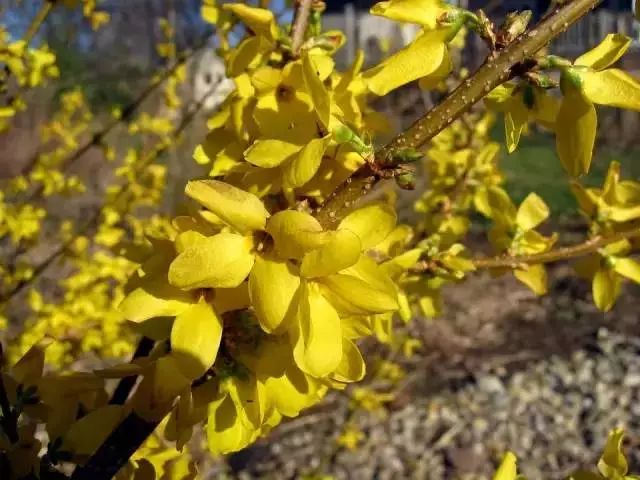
[38,20]
[116,450]
[590,246]
[126,384]
[496,70]
[9,421]
[300,24]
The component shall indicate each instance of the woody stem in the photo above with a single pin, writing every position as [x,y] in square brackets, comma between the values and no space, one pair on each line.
[300,24]
[590,246]
[498,68]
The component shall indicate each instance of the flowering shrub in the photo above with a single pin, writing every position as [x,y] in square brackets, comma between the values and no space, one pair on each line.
[250,306]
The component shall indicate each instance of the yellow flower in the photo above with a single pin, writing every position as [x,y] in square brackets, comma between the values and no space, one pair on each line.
[350,437]
[421,12]
[520,105]
[618,201]
[401,68]
[590,80]
[514,231]
[507,469]
[606,270]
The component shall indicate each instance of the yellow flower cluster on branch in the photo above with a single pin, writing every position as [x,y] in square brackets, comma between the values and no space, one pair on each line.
[252,304]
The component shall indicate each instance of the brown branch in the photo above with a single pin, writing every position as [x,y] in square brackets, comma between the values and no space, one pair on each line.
[38,20]
[496,70]
[303,10]
[116,450]
[590,246]
[9,420]
[126,384]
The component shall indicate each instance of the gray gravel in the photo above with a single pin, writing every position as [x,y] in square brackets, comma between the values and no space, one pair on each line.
[554,414]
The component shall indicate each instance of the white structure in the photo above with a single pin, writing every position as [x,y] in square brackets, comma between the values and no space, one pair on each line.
[208,73]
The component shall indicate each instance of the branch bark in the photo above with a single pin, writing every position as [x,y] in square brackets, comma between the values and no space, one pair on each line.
[496,70]
[117,449]
[126,384]
[590,246]
[300,24]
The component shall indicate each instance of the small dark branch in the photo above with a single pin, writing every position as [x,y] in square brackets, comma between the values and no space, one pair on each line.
[300,24]
[9,419]
[117,449]
[564,253]
[126,384]
[37,271]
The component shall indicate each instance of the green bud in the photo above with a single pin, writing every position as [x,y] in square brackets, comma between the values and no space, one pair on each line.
[515,25]
[541,80]
[406,180]
[406,155]
[529,97]
[570,78]
[343,134]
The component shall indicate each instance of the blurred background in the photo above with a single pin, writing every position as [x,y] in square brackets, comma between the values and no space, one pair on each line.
[501,369]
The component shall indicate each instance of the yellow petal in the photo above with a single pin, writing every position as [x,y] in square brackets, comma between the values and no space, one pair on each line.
[402,67]
[534,277]
[532,212]
[195,339]
[295,233]
[357,296]
[269,153]
[241,210]
[225,431]
[612,87]
[87,434]
[230,299]
[372,223]
[606,53]
[352,367]
[341,251]
[585,198]
[507,469]
[188,239]
[515,121]
[613,464]
[272,285]
[292,391]
[304,166]
[317,338]
[260,21]
[223,261]
[247,55]
[30,366]
[317,90]
[628,268]
[421,12]
[266,78]
[155,298]
[576,133]
[246,395]
[606,288]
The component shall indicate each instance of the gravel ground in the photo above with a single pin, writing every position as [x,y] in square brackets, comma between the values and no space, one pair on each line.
[546,378]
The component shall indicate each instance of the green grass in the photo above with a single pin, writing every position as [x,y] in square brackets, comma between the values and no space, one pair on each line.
[534,167]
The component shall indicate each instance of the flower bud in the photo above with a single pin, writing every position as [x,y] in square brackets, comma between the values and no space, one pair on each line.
[406,180]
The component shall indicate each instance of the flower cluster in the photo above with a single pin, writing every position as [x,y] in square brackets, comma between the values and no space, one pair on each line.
[267,307]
